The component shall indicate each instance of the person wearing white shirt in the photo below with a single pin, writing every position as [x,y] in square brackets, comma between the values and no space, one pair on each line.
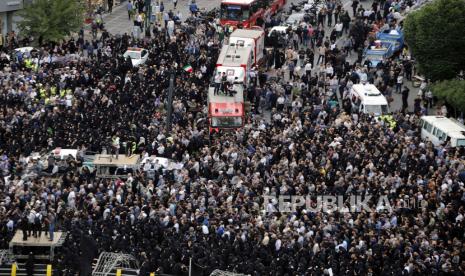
[139,21]
[316,248]
[308,69]
[329,70]
[367,13]
[166,18]
[423,86]
[338,29]
[280,103]
[69,100]
[10,225]
[71,199]
[170,28]
[147,166]
[161,150]
[179,16]
[333,84]
[343,244]
[333,46]
[278,244]
[429,98]
[363,76]
[205,230]
[399,82]
[31,217]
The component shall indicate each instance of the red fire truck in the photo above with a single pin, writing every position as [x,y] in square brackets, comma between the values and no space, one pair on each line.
[226,106]
[248,12]
[226,111]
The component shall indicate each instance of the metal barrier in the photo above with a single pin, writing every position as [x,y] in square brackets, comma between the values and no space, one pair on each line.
[14,266]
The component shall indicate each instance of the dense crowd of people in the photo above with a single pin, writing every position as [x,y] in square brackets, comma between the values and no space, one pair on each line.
[82,92]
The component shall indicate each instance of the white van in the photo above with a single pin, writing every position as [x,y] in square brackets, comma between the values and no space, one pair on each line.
[366,98]
[249,38]
[439,129]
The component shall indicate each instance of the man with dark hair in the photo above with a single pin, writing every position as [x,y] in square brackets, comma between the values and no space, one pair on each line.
[51,220]
[405,93]
[38,224]
[30,265]
[110,6]
[23,224]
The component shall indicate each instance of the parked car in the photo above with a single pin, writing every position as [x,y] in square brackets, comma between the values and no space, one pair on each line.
[377,54]
[396,37]
[138,55]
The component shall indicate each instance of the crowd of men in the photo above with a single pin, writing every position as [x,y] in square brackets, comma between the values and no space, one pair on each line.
[212,211]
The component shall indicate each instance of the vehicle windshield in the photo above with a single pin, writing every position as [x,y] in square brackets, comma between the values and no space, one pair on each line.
[374,57]
[133,55]
[460,142]
[227,122]
[392,41]
[376,109]
[234,12]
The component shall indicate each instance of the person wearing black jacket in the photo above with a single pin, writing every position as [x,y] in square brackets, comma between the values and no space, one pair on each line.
[23,224]
[30,265]
[405,93]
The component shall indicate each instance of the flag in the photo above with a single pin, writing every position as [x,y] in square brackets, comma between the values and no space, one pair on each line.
[188,68]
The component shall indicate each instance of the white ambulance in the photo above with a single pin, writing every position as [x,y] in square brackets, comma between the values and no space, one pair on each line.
[254,38]
[236,63]
[366,98]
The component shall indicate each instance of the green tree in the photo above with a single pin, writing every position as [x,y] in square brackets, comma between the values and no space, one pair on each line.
[452,92]
[51,19]
[434,34]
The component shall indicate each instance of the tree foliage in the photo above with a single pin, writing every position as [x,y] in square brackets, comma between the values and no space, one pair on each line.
[451,91]
[51,19]
[435,36]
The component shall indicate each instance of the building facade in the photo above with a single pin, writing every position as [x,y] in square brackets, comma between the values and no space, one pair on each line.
[8,15]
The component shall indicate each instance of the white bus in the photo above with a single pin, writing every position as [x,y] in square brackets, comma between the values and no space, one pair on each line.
[439,130]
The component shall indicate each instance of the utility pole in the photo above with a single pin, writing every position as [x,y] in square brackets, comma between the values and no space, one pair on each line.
[169,101]
[159,15]
[148,13]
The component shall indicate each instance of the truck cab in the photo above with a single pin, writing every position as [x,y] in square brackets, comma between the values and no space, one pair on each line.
[226,111]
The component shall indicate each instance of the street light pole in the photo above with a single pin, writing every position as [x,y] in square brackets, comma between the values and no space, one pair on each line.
[148,12]
[169,101]
[159,12]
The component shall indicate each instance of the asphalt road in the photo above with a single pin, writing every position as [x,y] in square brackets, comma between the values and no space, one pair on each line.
[118,22]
